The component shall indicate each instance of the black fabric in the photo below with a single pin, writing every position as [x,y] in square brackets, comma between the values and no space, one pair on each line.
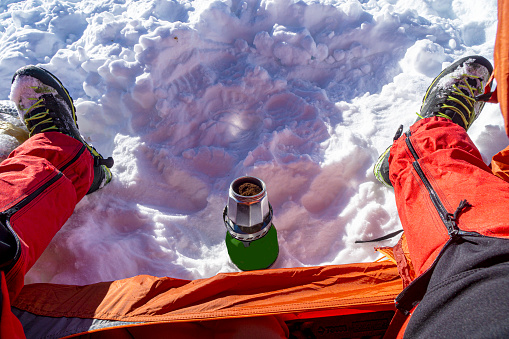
[468,293]
[8,245]
[1,301]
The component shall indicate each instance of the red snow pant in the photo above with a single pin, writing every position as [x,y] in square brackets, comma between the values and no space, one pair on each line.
[444,191]
[41,183]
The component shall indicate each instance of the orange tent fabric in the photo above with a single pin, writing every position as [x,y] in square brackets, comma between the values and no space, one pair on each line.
[501,58]
[275,295]
[500,164]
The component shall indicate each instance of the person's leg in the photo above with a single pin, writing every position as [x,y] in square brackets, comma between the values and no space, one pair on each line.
[43,179]
[434,167]
[462,288]
[454,214]
[455,217]
[437,146]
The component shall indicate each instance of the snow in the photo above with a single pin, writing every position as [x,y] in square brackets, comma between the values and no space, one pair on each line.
[189,95]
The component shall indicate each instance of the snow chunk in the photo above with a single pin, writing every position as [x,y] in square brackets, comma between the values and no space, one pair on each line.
[425,57]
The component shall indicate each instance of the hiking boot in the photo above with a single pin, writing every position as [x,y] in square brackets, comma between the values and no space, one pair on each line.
[454,94]
[44,105]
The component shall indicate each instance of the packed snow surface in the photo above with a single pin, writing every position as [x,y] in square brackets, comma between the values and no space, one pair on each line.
[189,95]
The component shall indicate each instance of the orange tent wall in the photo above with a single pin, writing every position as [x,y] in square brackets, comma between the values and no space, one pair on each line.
[277,295]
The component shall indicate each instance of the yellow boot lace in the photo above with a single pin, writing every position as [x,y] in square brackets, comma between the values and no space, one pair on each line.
[39,118]
[469,99]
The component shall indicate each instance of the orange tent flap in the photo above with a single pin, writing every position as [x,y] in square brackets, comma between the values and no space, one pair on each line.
[501,56]
[226,295]
[500,164]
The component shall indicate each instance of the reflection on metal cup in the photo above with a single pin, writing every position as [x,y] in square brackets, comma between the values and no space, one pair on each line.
[248,217]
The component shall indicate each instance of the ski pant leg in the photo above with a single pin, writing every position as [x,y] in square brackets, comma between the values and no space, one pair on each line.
[10,326]
[433,167]
[41,183]
[460,251]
